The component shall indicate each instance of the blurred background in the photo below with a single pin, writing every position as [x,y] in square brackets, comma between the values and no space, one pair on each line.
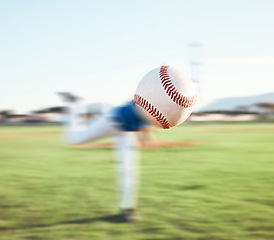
[217,184]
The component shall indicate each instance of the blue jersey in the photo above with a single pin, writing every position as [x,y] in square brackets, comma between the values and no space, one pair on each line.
[128,118]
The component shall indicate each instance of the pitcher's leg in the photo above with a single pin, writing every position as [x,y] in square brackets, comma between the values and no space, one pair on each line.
[128,176]
[77,132]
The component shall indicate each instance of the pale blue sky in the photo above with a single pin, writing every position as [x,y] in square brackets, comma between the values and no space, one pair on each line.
[100,49]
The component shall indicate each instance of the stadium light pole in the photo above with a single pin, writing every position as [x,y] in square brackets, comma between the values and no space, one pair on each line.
[195,50]
[195,61]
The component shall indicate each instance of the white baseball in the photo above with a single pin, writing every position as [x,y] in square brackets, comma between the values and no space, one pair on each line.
[165,97]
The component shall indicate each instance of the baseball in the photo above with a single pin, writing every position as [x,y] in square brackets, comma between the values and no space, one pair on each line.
[165,97]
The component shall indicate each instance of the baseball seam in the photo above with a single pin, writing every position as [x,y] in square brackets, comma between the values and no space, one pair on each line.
[172,92]
[152,110]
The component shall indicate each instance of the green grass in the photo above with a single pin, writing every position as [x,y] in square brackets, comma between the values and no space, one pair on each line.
[221,190]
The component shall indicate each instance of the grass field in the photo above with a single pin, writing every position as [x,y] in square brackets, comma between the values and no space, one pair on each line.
[221,190]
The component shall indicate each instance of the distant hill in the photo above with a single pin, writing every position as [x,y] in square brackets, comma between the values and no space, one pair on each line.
[234,103]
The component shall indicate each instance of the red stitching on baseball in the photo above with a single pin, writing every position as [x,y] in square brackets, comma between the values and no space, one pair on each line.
[170,89]
[154,112]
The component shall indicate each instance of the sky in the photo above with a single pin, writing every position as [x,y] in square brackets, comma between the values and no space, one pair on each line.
[100,49]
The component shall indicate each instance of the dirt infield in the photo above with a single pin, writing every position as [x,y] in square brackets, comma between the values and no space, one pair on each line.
[156,144]
[151,145]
